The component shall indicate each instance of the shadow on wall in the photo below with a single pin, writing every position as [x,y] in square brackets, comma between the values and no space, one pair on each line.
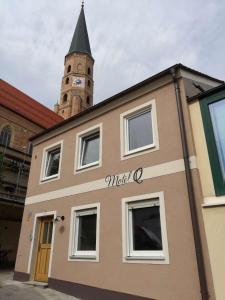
[9,237]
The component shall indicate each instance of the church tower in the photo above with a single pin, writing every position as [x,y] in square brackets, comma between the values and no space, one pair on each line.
[77,82]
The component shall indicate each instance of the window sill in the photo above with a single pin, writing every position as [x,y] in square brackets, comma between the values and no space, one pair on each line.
[139,151]
[147,147]
[155,260]
[88,167]
[161,257]
[93,258]
[48,179]
[214,201]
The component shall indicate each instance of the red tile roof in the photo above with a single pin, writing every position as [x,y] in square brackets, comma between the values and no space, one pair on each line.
[27,107]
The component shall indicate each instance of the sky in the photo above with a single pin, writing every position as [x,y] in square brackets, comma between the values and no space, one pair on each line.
[130,41]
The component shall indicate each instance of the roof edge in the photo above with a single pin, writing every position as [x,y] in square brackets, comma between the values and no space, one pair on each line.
[207,93]
[53,117]
[199,73]
[121,94]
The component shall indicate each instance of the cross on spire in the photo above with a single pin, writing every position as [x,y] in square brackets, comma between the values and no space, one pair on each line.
[82,4]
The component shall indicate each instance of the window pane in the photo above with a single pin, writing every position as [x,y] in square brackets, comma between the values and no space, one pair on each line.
[87,233]
[45,233]
[53,162]
[217,112]
[50,232]
[90,149]
[140,130]
[5,136]
[146,228]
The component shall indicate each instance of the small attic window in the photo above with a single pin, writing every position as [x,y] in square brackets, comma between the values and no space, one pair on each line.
[65,97]
[67,80]
[89,71]
[69,69]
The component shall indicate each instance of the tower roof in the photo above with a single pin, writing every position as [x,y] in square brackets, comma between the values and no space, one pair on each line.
[80,42]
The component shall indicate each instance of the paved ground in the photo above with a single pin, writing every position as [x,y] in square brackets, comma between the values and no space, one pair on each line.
[14,290]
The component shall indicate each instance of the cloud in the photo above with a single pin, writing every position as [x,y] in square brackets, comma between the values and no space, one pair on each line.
[130,41]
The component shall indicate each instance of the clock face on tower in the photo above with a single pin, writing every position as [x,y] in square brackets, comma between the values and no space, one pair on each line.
[78,82]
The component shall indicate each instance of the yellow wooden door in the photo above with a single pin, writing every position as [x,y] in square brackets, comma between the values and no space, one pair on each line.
[44,249]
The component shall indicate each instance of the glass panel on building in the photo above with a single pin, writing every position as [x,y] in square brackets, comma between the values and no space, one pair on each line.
[5,136]
[140,130]
[50,232]
[90,149]
[87,232]
[53,162]
[146,229]
[45,233]
[217,112]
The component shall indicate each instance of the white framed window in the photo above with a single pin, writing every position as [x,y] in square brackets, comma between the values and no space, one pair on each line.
[84,232]
[51,162]
[139,129]
[144,229]
[89,148]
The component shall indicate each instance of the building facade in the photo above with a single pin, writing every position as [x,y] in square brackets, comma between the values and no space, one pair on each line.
[20,118]
[207,111]
[114,203]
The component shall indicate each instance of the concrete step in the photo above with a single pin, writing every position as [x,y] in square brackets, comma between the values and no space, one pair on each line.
[40,284]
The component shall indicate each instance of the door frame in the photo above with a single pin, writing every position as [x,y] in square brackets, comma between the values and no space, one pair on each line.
[34,243]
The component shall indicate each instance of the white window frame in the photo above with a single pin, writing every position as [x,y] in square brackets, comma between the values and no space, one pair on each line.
[79,145]
[124,120]
[46,150]
[74,254]
[130,255]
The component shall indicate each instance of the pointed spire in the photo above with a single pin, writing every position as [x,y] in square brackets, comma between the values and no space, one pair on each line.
[80,42]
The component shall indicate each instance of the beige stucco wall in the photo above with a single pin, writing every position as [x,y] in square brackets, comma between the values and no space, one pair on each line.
[215,229]
[214,220]
[201,150]
[176,280]
[170,146]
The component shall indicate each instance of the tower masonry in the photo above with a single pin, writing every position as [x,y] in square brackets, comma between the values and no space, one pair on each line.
[77,82]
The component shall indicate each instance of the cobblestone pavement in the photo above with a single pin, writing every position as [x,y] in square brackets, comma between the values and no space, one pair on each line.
[14,290]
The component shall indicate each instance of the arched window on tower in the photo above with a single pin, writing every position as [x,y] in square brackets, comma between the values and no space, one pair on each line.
[89,83]
[5,136]
[88,100]
[67,80]
[69,69]
[89,71]
[65,97]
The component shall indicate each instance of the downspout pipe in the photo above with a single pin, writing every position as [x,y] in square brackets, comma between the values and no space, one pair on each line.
[191,195]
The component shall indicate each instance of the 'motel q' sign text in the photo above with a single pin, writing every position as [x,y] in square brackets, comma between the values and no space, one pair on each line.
[118,180]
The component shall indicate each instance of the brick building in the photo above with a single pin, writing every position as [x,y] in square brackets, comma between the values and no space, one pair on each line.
[20,118]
